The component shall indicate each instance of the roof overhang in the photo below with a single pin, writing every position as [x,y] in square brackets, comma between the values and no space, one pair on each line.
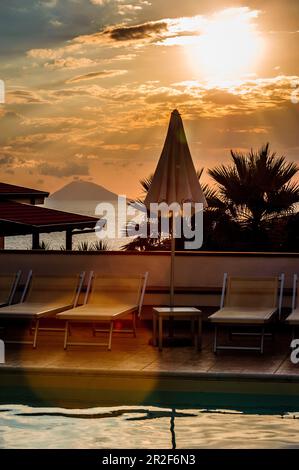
[23,219]
[22,194]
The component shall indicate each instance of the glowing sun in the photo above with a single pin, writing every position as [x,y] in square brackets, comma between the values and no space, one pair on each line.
[228,47]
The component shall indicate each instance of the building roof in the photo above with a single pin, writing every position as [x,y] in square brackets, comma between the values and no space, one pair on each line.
[17,218]
[11,191]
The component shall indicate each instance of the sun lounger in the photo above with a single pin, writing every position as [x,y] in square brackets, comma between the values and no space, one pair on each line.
[293,318]
[248,302]
[44,296]
[107,300]
[8,287]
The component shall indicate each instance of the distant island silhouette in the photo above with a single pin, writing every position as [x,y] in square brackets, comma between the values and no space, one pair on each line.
[83,191]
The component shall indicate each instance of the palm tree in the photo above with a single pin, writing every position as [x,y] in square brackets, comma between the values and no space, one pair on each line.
[99,245]
[254,192]
[248,206]
[150,243]
[138,243]
[44,246]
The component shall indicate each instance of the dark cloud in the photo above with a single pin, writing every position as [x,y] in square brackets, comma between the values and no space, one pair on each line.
[93,75]
[69,169]
[10,125]
[25,24]
[9,162]
[11,116]
[6,159]
[146,32]
[23,96]
[141,31]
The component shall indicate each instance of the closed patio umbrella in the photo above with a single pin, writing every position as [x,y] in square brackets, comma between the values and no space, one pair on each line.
[175,179]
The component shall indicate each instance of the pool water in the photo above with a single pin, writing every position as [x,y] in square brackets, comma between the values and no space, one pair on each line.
[144,427]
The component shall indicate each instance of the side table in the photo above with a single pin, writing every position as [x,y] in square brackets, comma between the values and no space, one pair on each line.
[162,313]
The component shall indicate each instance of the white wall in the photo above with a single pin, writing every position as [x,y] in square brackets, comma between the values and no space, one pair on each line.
[194,272]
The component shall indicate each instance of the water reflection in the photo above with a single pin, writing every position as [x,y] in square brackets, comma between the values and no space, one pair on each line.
[144,427]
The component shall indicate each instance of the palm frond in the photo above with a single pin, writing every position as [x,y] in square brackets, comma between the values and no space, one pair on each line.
[146,183]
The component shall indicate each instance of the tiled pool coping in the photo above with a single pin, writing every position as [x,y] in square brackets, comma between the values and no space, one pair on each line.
[68,387]
[135,372]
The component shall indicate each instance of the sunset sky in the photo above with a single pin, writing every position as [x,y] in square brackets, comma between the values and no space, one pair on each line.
[90,85]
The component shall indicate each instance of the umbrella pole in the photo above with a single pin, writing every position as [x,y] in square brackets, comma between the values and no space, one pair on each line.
[172,270]
[172,240]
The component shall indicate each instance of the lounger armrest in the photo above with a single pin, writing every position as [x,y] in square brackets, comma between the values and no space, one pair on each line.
[142,293]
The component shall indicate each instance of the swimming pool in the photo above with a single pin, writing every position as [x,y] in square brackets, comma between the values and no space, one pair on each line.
[144,427]
[67,408]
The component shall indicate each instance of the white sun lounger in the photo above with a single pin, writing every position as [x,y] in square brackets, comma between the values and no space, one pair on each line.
[107,300]
[8,287]
[293,318]
[248,301]
[44,296]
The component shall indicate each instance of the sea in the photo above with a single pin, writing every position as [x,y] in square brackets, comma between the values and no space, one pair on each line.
[56,240]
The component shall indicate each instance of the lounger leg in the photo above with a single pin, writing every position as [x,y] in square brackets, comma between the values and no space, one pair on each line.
[215,339]
[262,340]
[199,333]
[35,334]
[194,333]
[66,331]
[160,333]
[134,323]
[193,330]
[110,335]
[171,327]
[154,329]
